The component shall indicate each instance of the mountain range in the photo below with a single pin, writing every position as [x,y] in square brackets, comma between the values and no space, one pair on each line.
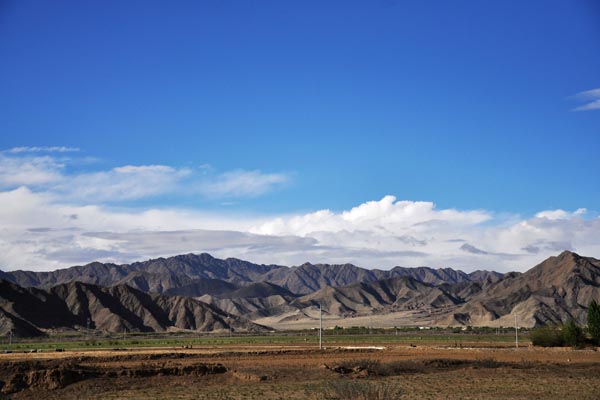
[200,292]
[188,273]
[34,312]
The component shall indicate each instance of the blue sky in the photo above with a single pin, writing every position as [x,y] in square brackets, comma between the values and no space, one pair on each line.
[267,111]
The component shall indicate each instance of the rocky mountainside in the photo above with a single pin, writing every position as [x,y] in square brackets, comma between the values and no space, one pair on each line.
[74,305]
[430,275]
[555,291]
[202,286]
[257,300]
[307,277]
[156,275]
[388,295]
[191,275]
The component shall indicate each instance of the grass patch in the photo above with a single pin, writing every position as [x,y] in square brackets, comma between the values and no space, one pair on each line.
[135,340]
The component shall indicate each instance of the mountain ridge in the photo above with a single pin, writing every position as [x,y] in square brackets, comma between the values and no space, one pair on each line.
[168,275]
[75,305]
[554,291]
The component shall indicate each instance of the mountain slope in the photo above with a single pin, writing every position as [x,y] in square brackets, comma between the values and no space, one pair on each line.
[553,292]
[180,270]
[556,290]
[307,277]
[386,295]
[184,274]
[112,309]
[257,300]
[202,286]
[430,275]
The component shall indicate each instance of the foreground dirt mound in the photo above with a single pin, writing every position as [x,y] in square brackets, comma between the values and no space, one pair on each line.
[360,368]
[18,376]
[54,378]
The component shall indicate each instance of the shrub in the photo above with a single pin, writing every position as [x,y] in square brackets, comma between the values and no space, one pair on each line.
[573,334]
[547,336]
[593,321]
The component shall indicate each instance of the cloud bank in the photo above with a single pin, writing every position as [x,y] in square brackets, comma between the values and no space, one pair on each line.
[52,218]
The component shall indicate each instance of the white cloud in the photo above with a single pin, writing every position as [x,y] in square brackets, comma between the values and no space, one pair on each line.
[386,216]
[560,214]
[591,99]
[122,183]
[43,149]
[49,174]
[29,171]
[242,183]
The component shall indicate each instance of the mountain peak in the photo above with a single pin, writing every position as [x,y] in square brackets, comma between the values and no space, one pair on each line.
[568,254]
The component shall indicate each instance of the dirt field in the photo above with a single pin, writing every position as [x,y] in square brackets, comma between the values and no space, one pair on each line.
[299,372]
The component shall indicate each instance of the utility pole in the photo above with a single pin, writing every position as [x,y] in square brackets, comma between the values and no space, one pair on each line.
[516,332]
[320,327]
[10,335]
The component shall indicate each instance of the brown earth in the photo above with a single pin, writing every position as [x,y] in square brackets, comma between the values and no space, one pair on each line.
[300,372]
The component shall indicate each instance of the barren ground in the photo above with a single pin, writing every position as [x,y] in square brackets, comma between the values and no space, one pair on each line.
[303,372]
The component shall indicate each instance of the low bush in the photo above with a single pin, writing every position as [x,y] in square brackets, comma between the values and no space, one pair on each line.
[547,336]
[569,334]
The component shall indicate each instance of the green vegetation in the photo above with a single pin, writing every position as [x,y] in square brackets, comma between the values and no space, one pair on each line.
[570,334]
[333,337]
[593,322]
[573,335]
[547,336]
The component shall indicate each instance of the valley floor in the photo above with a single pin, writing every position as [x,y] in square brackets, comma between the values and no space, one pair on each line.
[432,371]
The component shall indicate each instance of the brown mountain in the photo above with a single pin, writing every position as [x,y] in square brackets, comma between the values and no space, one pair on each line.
[257,300]
[112,309]
[307,277]
[486,278]
[156,275]
[554,291]
[154,282]
[558,289]
[184,274]
[432,276]
[387,295]
[203,286]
